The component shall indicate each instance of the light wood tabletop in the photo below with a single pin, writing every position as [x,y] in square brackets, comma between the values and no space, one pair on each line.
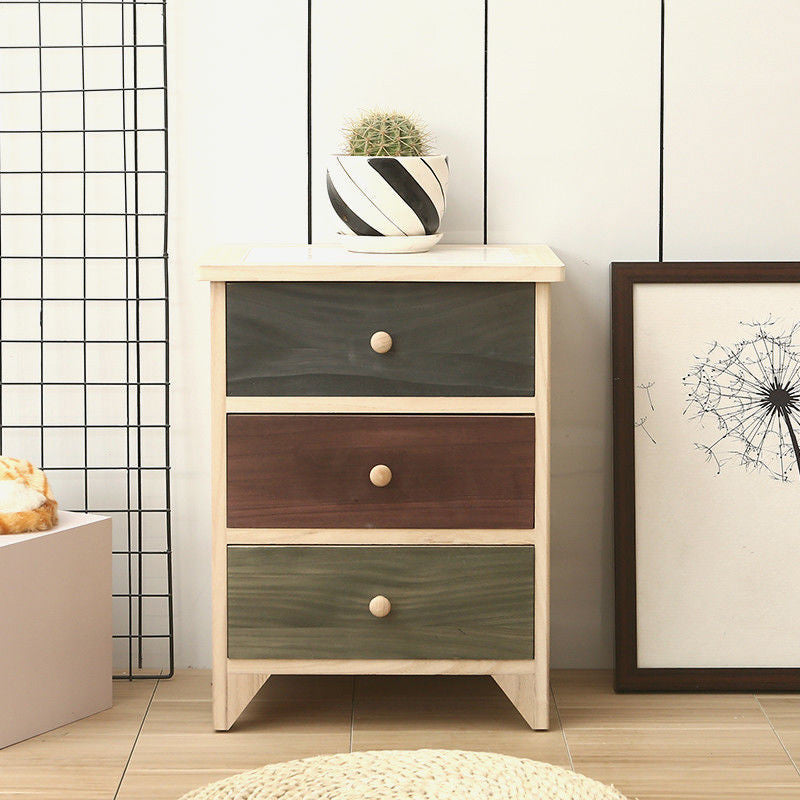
[535,263]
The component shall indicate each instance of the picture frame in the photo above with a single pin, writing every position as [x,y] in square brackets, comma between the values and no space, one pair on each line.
[706,564]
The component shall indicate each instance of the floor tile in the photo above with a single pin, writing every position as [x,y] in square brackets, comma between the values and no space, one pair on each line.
[166,784]
[80,761]
[689,764]
[291,717]
[672,746]
[463,713]
[653,746]
[194,684]
[783,712]
[586,699]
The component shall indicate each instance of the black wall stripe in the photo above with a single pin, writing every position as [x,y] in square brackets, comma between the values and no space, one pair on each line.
[485,120]
[412,194]
[308,123]
[661,148]
[346,214]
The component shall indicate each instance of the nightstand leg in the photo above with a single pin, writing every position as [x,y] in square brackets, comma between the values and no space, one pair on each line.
[521,691]
[240,690]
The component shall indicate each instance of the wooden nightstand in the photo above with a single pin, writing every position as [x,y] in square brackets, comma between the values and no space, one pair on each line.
[381,460]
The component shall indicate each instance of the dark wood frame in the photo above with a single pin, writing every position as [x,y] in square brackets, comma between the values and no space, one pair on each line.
[628,676]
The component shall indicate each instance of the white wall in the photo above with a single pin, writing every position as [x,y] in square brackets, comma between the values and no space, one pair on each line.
[732,114]
[572,155]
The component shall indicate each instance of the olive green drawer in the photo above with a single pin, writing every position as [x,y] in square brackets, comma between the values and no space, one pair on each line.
[314,339]
[446,602]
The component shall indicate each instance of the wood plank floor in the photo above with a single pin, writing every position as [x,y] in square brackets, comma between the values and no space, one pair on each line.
[157,742]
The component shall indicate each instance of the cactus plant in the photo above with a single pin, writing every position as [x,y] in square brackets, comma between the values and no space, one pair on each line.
[386,133]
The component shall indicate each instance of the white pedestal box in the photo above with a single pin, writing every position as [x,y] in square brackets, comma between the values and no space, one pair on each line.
[55,626]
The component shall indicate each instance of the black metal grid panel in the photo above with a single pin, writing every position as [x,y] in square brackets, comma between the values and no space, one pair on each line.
[84,313]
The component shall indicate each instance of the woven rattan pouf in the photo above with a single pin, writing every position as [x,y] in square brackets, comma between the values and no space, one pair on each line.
[408,775]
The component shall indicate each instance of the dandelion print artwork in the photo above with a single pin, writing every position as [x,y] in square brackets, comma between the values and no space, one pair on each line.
[707,474]
[642,422]
[747,395]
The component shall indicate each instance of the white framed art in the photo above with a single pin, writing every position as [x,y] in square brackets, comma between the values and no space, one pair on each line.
[707,475]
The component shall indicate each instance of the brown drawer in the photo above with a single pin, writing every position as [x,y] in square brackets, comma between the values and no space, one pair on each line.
[314,470]
[443,602]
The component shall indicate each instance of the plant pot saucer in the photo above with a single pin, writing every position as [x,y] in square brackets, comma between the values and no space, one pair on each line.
[388,244]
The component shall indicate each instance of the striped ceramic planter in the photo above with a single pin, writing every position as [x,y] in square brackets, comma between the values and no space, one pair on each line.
[396,197]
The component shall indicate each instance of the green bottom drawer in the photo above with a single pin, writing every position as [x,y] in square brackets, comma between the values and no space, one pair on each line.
[444,602]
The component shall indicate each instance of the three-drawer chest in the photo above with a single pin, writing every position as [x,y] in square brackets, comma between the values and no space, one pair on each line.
[380,466]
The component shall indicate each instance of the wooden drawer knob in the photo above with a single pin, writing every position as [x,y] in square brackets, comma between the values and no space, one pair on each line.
[381,342]
[379,606]
[380,475]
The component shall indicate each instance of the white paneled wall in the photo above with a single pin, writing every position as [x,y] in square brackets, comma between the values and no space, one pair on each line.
[237,172]
[428,59]
[573,131]
[731,130]
[573,160]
